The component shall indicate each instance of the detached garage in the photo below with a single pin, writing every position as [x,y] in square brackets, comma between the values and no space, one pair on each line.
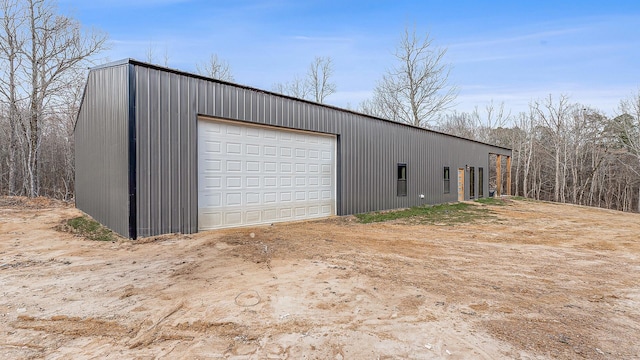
[162,151]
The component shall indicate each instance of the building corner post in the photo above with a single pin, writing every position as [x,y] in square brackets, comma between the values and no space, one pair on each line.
[133,203]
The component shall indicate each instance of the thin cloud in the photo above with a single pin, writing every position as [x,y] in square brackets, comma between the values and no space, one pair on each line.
[320,38]
[126,3]
[517,99]
[512,39]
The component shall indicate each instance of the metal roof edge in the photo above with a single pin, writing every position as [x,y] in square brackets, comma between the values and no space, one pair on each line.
[192,75]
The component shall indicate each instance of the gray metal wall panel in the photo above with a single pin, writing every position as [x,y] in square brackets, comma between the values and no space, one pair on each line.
[101,148]
[370,148]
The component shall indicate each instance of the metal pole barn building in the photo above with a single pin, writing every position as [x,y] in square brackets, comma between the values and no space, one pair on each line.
[162,151]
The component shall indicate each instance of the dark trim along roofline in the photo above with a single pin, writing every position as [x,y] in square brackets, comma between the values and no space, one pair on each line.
[196,76]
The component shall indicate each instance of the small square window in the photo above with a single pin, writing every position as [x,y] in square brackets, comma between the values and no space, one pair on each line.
[402,179]
[447,182]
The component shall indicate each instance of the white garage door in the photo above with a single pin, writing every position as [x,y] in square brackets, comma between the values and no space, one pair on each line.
[250,174]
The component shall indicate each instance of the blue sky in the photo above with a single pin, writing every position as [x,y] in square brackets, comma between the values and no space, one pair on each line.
[505,51]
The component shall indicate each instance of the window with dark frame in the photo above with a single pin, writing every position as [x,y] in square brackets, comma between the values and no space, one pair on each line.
[472,182]
[480,182]
[447,180]
[402,179]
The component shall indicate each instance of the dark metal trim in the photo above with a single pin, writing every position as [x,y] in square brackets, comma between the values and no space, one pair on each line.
[133,200]
[338,174]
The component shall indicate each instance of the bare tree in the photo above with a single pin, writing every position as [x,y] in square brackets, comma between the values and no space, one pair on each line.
[165,56]
[555,116]
[476,125]
[316,85]
[150,53]
[319,78]
[627,130]
[11,43]
[628,125]
[416,90]
[297,88]
[215,68]
[43,51]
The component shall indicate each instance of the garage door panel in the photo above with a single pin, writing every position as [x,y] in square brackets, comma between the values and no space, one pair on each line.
[253,150]
[233,130]
[253,132]
[270,181]
[285,152]
[253,199]
[234,165]
[213,128]
[234,148]
[270,198]
[253,216]
[233,218]
[212,182]
[212,147]
[212,166]
[270,214]
[270,167]
[234,182]
[233,199]
[257,174]
[252,182]
[270,151]
[253,166]
[212,200]
[285,213]
[269,134]
[286,181]
[285,167]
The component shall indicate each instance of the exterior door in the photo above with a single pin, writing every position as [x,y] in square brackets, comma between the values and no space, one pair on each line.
[460,184]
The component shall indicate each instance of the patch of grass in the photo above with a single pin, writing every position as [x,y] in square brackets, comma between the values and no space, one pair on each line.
[448,214]
[90,229]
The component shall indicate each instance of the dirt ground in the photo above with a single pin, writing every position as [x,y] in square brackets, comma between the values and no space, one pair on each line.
[537,281]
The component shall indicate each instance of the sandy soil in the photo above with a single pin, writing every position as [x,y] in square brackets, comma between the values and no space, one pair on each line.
[538,281]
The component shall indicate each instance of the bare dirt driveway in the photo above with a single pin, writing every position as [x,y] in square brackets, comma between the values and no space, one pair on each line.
[536,281]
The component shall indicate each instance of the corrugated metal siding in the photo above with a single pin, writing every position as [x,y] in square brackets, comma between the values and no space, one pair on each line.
[167,107]
[101,147]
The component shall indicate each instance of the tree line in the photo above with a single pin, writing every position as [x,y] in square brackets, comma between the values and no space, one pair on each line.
[562,151]
[43,56]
